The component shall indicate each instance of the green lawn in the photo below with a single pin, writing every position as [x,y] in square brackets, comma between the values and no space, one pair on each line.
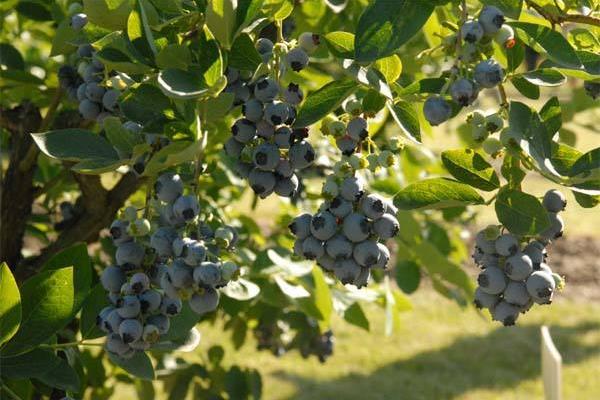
[440,352]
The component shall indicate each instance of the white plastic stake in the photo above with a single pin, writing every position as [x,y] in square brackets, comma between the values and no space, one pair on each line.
[551,367]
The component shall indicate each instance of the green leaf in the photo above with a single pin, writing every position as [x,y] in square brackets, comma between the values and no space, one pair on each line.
[43,365]
[144,104]
[340,44]
[93,304]
[35,10]
[10,304]
[510,8]
[10,57]
[408,275]
[556,46]
[514,57]
[172,154]
[322,295]
[587,163]
[390,67]
[220,18]
[181,324]
[175,56]
[551,115]
[210,61]
[585,200]
[124,140]
[407,119]
[241,289]
[139,33]
[563,157]
[19,77]
[369,77]
[64,37]
[356,316]
[427,85]
[277,9]
[139,365]
[525,87]
[436,193]
[521,213]
[115,59]
[291,290]
[545,77]
[74,145]
[243,54]
[470,167]
[180,84]
[77,257]
[385,25]
[323,101]
[95,166]
[100,14]
[512,172]
[47,301]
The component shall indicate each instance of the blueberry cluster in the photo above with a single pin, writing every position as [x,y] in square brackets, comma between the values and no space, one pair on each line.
[157,267]
[475,36]
[592,89]
[483,127]
[516,275]
[348,134]
[267,150]
[346,235]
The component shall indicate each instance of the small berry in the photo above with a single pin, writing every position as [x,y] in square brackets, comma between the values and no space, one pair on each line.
[309,41]
[297,59]
[488,73]
[540,286]
[492,280]
[554,201]
[356,227]
[506,245]
[436,110]
[463,91]
[301,155]
[471,31]
[518,267]
[78,21]
[204,302]
[186,207]
[505,313]
[491,19]
[168,187]
[485,300]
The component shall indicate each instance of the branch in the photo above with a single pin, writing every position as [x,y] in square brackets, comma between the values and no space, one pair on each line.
[557,19]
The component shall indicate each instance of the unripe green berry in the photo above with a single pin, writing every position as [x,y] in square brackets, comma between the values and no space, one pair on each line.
[330,188]
[336,128]
[494,123]
[354,107]
[492,146]
[386,159]
[139,227]
[130,213]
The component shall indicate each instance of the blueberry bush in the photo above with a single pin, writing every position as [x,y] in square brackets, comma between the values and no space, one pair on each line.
[138,134]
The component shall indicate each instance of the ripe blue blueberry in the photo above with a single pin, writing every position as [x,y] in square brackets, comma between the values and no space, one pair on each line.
[505,313]
[88,109]
[463,91]
[186,207]
[112,321]
[180,274]
[372,206]
[346,144]
[262,182]
[118,232]
[162,241]
[326,262]
[323,225]
[492,280]
[486,245]
[536,252]
[101,319]
[471,31]
[356,227]
[540,286]
[297,248]
[488,73]
[130,255]
[266,89]
[287,187]
[194,253]
[133,126]
[436,110]
[592,89]
[297,59]
[352,188]
[170,307]
[292,114]
[491,19]
[161,322]
[264,129]
[94,92]
[233,148]
[357,129]
[386,227]
[168,187]
[115,345]
[384,257]
[130,330]
[204,301]
[253,110]
[554,201]
[485,300]
[309,41]
[312,248]
[339,247]
[555,230]
[362,279]
[207,274]
[276,113]
[516,294]
[300,226]
[139,282]
[346,270]
[150,301]
[265,48]
[518,266]
[110,99]
[366,253]
[243,130]
[81,92]
[301,155]
[266,157]
[129,307]
[283,137]
[168,287]
[506,245]
[340,207]
[85,50]
[293,94]
[78,21]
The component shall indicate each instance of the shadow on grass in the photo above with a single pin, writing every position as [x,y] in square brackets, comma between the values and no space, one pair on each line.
[501,359]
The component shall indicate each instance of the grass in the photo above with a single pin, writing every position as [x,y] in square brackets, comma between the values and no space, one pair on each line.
[440,352]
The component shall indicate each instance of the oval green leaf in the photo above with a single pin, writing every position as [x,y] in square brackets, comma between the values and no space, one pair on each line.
[10,304]
[470,167]
[436,193]
[521,213]
[407,119]
[340,44]
[326,99]
[74,145]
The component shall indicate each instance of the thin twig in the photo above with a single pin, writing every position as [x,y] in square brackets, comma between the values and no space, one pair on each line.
[557,19]
[9,391]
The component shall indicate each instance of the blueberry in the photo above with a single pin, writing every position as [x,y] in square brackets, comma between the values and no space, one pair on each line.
[205,301]
[253,110]
[283,137]
[110,99]
[265,48]
[130,307]
[366,253]
[151,334]
[264,129]
[292,114]
[516,294]
[287,187]
[266,157]
[357,129]
[346,270]
[78,21]
[556,228]
[506,245]
[207,274]
[491,19]
[170,307]
[186,207]
[492,280]
[485,300]
[232,75]
[180,274]
[293,94]
[540,286]
[118,232]
[312,248]
[487,246]
[436,110]
[228,270]
[130,255]
[297,59]
[505,313]
[130,330]
[101,319]
[488,73]
[133,126]
[276,113]
[356,227]
[339,247]
[115,345]
[167,286]
[535,251]
[194,253]
[88,109]
[168,187]
[309,41]
[362,279]
[241,92]
[340,207]
[346,144]
[300,226]
[92,75]
[554,201]
[233,148]
[592,89]
[139,282]
[463,91]
[491,146]
[372,206]
[301,155]
[352,188]
[162,241]
[518,267]
[243,130]
[94,92]
[323,225]
[386,227]
[81,92]
[505,36]
[490,260]
[161,322]
[471,31]
[266,89]
[262,182]
[326,262]
[297,248]
[494,122]
[111,321]
[150,301]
